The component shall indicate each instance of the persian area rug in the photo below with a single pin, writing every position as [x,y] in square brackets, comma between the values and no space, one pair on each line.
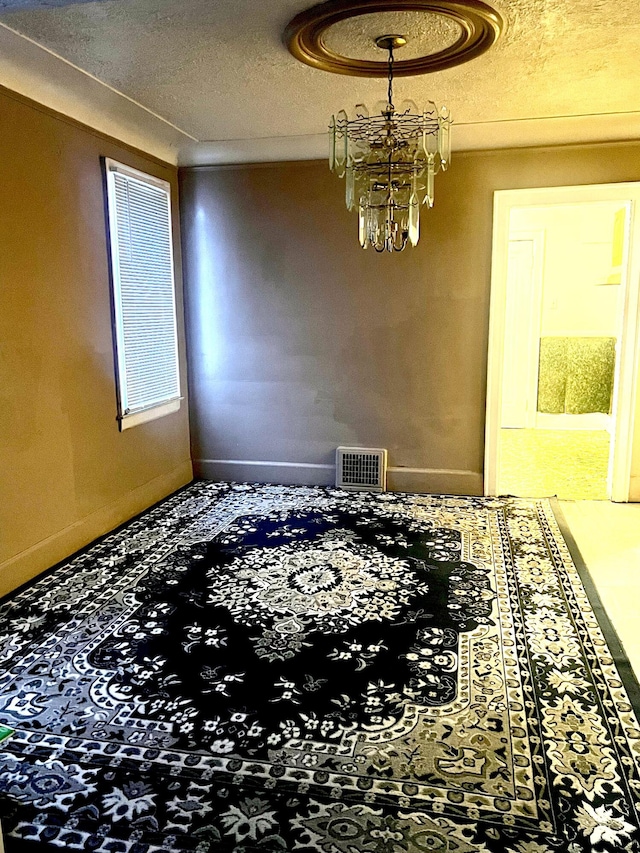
[260,668]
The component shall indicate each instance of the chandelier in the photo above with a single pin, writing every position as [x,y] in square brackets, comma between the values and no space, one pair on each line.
[390,158]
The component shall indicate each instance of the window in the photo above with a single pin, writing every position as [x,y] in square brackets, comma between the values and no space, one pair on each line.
[143,294]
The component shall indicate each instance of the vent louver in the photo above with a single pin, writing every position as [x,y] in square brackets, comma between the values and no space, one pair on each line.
[361,468]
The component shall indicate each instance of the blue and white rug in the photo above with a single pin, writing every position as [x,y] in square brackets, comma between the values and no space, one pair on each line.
[262,668]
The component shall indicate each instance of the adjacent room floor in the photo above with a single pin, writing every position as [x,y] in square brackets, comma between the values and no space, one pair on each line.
[608,537]
[571,464]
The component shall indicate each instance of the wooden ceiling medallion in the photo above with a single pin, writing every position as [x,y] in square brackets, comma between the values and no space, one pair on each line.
[479,23]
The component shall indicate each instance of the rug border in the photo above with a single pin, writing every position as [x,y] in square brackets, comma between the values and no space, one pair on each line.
[620,658]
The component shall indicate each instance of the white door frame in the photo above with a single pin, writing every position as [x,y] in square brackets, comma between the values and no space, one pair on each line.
[627,351]
[534,314]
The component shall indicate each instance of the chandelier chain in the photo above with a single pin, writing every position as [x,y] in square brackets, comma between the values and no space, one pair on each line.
[390,93]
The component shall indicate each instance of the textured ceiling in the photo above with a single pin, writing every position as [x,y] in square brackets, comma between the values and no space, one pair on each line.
[355,37]
[218,69]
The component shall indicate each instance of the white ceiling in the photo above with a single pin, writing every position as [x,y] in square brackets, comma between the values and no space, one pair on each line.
[205,81]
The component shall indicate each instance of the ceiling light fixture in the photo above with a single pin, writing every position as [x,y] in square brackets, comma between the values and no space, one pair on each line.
[390,156]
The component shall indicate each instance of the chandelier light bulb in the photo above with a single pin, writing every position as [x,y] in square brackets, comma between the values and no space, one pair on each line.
[389,158]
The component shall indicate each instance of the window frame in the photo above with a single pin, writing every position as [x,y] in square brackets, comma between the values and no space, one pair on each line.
[125,417]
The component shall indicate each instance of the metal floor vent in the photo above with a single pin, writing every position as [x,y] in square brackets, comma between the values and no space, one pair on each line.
[361,468]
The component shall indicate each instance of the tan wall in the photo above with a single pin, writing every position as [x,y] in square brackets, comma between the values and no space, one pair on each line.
[300,341]
[67,474]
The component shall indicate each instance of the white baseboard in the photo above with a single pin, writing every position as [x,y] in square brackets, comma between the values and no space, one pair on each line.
[256,471]
[24,566]
[419,480]
[435,481]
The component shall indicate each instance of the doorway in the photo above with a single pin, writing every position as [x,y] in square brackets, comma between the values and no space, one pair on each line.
[563,338]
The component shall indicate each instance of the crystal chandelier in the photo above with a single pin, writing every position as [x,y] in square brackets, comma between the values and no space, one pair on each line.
[390,158]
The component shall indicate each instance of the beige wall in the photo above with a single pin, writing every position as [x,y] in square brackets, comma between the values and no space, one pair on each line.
[300,341]
[67,474]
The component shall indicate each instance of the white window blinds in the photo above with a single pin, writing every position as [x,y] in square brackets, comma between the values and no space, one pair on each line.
[143,294]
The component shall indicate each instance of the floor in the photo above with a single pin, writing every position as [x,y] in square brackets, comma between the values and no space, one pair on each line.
[571,464]
[608,537]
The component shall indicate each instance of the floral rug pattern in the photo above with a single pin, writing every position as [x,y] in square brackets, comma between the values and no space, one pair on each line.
[263,668]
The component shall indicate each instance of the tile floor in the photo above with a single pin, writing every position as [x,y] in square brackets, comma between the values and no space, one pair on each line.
[608,537]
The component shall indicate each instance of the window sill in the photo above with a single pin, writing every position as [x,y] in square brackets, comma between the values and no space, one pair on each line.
[128,421]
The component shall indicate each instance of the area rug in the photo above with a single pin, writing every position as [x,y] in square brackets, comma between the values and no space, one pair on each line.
[261,668]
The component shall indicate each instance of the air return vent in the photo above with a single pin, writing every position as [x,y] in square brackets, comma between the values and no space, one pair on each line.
[361,468]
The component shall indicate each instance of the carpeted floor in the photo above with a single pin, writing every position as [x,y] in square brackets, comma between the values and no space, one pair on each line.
[260,668]
[571,464]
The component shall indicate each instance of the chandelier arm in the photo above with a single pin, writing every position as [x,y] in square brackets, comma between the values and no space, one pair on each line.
[399,248]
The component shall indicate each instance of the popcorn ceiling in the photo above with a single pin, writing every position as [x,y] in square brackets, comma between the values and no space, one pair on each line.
[426,33]
[218,69]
